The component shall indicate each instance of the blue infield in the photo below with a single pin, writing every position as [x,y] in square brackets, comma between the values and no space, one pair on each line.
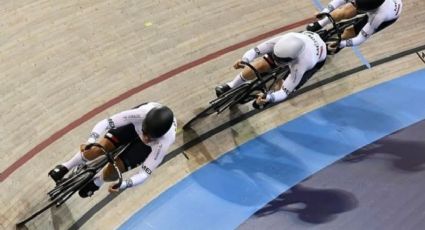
[225,192]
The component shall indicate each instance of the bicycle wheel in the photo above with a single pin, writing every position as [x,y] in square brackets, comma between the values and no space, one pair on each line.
[249,96]
[59,199]
[67,182]
[204,113]
[212,108]
[234,96]
[81,181]
[219,104]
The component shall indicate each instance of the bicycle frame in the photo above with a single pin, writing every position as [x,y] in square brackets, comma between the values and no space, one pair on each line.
[92,167]
[327,34]
[247,91]
[337,29]
[243,93]
[77,179]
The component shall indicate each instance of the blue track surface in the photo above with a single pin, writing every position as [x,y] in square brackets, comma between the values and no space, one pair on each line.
[224,193]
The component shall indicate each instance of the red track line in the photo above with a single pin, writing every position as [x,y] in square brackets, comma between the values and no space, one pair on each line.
[58,134]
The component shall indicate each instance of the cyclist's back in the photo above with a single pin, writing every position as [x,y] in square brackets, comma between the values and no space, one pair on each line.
[390,10]
[313,53]
[308,60]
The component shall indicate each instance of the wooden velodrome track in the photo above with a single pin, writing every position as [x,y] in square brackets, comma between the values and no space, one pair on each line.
[62,62]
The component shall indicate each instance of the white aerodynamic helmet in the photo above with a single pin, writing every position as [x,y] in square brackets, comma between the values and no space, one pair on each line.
[287,49]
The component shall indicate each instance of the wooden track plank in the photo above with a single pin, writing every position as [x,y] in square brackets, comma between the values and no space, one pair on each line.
[60,59]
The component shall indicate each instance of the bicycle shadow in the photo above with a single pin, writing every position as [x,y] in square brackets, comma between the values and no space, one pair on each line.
[245,126]
[248,170]
[61,217]
[311,205]
[188,135]
[53,217]
[93,210]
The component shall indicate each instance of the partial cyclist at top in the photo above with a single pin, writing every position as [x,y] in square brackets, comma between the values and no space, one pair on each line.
[304,53]
[379,15]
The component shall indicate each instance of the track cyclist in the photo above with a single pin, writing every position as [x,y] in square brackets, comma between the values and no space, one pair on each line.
[150,128]
[304,53]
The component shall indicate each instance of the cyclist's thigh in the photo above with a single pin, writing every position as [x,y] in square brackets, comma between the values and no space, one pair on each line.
[345,12]
[260,64]
[135,154]
[307,75]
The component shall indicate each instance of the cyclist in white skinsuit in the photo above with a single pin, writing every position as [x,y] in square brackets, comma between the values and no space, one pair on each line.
[151,130]
[304,53]
[380,14]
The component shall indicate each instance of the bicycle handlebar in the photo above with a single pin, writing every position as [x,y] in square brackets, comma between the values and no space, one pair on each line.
[113,163]
[110,159]
[117,185]
[334,24]
[257,74]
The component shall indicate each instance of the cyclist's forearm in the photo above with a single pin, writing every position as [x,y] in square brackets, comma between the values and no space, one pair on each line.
[277,96]
[262,49]
[150,164]
[359,39]
[288,86]
[98,129]
[334,4]
[137,179]
[250,55]
[116,120]
[134,180]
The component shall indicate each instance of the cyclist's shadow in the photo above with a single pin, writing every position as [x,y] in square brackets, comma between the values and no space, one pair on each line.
[310,204]
[234,168]
[405,155]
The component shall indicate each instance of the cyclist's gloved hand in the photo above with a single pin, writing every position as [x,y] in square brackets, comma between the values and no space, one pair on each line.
[261,102]
[261,99]
[332,47]
[238,64]
[113,188]
[82,147]
[120,187]
[117,187]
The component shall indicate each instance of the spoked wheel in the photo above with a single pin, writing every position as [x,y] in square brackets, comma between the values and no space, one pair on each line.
[61,195]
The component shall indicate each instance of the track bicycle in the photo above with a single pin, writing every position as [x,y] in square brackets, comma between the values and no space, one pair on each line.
[243,93]
[265,81]
[334,33]
[77,179]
